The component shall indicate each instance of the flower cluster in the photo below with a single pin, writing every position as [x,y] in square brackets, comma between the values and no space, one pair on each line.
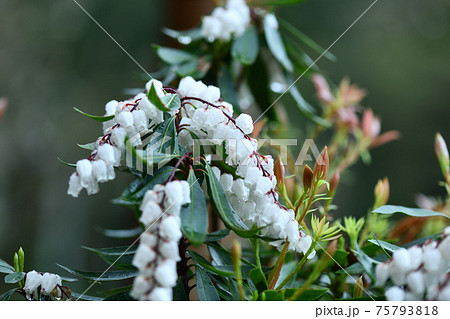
[252,193]
[157,255]
[419,272]
[131,119]
[226,22]
[50,285]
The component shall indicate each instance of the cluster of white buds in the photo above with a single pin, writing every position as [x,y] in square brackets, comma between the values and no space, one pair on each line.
[49,284]
[252,194]
[419,272]
[132,118]
[157,254]
[226,22]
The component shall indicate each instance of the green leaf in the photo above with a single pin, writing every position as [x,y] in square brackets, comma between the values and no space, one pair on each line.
[217,235]
[366,262]
[113,251]
[100,276]
[65,163]
[385,245]
[205,288]
[258,278]
[199,260]
[246,47]
[166,103]
[120,233]
[89,146]
[150,158]
[275,43]
[223,208]
[286,270]
[258,80]
[5,267]
[134,193]
[416,212]
[301,37]
[226,86]
[303,106]
[174,56]
[194,216]
[179,293]
[271,295]
[7,295]
[94,117]
[164,139]
[14,277]
[307,295]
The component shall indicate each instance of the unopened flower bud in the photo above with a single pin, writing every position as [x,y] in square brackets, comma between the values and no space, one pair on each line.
[21,254]
[321,166]
[441,150]
[370,125]
[307,178]
[381,193]
[359,288]
[322,89]
[279,171]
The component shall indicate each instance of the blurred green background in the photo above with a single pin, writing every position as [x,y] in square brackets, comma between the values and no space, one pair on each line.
[53,57]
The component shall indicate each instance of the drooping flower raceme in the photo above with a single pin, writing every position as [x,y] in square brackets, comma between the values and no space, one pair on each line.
[50,285]
[252,192]
[157,254]
[419,272]
[227,22]
[132,118]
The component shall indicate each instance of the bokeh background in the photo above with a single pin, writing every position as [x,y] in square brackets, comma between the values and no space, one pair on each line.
[53,57]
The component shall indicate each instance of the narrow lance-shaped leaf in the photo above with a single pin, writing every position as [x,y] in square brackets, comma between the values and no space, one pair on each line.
[101,276]
[194,216]
[205,288]
[166,103]
[275,42]
[94,117]
[246,47]
[416,212]
[223,208]
[5,267]
[173,56]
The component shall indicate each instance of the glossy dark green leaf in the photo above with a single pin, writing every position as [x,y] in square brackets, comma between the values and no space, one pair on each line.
[113,251]
[14,277]
[415,212]
[271,295]
[257,78]
[179,293]
[219,256]
[217,235]
[94,117]
[223,208]
[245,48]
[205,288]
[366,262]
[275,42]
[155,100]
[120,233]
[5,267]
[226,86]
[7,295]
[194,216]
[164,139]
[174,56]
[307,295]
[150,158]
[258,279]
[100,276]
[135,192]
[207,265]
